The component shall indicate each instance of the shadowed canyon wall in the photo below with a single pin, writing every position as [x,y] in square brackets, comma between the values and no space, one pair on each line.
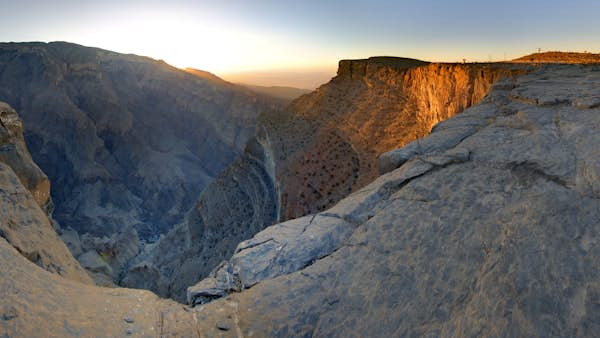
[127,141]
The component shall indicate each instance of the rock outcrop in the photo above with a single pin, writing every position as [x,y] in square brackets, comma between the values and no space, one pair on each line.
[25,201]
[495,234]
[319,149]
[36,303]
[14,153]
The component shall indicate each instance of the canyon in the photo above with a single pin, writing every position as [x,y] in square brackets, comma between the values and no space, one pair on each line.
[487,226]
[402,198]
[305,158]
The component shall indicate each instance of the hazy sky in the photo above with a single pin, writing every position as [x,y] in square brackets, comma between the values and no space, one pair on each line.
[306,35]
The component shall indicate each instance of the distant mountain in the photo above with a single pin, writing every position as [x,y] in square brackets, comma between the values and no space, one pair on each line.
[284,93]
[309,79]
[127,141]
[279,93]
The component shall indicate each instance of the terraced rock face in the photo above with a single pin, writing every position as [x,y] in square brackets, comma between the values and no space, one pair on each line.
[489,228]
[127,141]
[321,148]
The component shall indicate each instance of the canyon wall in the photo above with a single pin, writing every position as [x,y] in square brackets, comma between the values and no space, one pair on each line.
[305,158]
[371,107]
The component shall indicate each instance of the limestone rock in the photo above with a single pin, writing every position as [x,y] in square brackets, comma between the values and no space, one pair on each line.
[223,280]
[277,250]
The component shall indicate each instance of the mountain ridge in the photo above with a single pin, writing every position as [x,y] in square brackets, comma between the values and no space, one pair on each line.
[283,92]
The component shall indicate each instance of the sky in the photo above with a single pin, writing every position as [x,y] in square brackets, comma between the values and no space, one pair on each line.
[278,41]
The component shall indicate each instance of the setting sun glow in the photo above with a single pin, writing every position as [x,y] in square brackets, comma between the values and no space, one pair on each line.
[275,40]
[200,41]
